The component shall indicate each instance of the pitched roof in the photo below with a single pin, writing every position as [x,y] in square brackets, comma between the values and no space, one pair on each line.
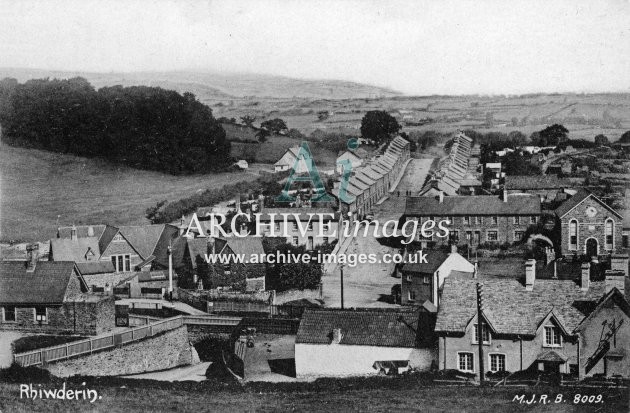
[83,231]
[509,308]
[143,238]
[95,267]
[301,212]
[400,327]
[537,182]
[579,197]
[78,250]
[517,204]
[435,258]
[47,284]
[246,245]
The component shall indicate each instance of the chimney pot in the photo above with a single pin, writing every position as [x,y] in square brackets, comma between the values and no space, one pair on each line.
[530,274]
[585,280]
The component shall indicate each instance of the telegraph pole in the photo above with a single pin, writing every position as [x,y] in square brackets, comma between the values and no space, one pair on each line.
[341,269]
[170,272]
[480,333]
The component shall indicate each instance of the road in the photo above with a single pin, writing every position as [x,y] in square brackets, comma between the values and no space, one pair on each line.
[369,285]
[195,372]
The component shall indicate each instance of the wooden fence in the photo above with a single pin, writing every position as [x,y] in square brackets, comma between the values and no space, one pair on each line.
[103,342]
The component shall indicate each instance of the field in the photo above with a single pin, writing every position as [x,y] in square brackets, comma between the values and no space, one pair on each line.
[358,395]
[42,190]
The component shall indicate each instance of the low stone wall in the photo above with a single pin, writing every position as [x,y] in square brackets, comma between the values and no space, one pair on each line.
[160,352]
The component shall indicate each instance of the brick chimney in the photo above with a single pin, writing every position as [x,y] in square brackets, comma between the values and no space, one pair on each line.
[615,279]
[336,336]
[32,254]
[619,262]
[585,279]
[530,274]
[73,233]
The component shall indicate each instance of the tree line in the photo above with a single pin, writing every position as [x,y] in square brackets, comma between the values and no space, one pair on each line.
[143,127]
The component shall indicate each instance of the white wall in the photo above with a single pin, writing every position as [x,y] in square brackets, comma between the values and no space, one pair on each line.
[333,360]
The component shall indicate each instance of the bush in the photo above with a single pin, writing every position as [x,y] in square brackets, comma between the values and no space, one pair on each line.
[36,342]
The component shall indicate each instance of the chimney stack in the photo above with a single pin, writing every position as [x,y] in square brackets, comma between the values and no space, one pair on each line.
[90,231]
[530,274]
[619,262]
[615,279]
[585,280]
[73,233]
[32,254]
[336,336]
[505,195]
[441,197]
[453,248]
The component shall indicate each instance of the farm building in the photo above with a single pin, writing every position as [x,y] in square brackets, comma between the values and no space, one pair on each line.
[356,342]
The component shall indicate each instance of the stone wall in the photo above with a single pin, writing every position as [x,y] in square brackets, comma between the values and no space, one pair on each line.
[160,352]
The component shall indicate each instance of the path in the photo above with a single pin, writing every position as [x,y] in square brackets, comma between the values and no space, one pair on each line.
[6,353]
[196,372]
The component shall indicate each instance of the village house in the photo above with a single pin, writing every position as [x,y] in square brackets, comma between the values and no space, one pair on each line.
[352,156]
[49,297]
[357,342]
[103,249]
[475,219]
[311,227]
[545,186]
[589,226]
[288,160]
[421,283]
[149,284]
[551,325]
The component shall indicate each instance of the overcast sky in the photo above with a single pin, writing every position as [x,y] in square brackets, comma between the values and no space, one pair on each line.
[417,47]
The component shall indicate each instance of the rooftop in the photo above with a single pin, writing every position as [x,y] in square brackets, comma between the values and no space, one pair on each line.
[473,205]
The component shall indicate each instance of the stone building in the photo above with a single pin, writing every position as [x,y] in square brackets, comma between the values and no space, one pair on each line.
[49,297]
[589,226]
[476,220]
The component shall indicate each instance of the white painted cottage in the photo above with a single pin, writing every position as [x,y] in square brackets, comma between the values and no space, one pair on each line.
[357,342]
[287,161]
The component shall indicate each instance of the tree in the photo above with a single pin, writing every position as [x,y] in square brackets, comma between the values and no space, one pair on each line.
[262,135]
[323,115]
[248,120]
[625,138]
[552,135]
[288,276]
[379,126]
[601,140]
[296,134]
[276,125]
[516,164]
[517,138]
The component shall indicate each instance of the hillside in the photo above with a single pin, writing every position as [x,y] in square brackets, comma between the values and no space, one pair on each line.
[41,190]
[212,86]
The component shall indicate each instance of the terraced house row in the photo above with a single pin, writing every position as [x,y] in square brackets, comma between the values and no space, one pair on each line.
[369,183]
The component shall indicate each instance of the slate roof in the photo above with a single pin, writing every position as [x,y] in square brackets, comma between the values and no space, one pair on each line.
[512,310]
[143,238]
[95,267]
[302,213]
[47,284]
[435,258]
[82,231]
[473,205]
[527,182]
[66,249]
[577,199]
[246,245]
[400,327]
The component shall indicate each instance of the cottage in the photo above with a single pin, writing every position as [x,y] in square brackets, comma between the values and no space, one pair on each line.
[49,297]
[288,161]
[422,282]
[356,342]
[589,226]
[476,219]
[555,326]
[351,156]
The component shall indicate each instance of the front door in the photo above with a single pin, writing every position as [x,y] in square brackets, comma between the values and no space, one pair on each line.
[591,247]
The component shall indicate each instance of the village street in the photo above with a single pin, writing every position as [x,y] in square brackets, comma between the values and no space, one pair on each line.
[369,285]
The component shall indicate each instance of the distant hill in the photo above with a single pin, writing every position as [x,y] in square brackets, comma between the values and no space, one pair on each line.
[213,86]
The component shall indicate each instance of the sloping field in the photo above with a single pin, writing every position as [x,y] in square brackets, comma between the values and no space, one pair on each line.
[40,190]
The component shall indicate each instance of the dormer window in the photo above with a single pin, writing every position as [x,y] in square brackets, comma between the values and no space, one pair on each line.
[118,238]
[553,338]
[485,332]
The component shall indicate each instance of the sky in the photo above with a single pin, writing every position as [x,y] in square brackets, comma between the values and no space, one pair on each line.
[416,47]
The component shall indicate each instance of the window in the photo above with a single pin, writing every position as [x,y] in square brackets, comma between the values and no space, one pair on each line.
[277,227]
[497,362]
[625,241]
[412,295]
[485,332]
[309,227]
[553,338]
[494,220]
[295,240]
[9,314]
[468,235]
[533,219]
[122,263]
[118,238]
[227,267]
[325,239]
[467,220]
[451,220]
[492,236]
[41,314]
[573,239]
[465,362]
[518,235]
[609,230]
[295,226]
[478,220]
[454,236]
[426,280]
[517,220]
[325,226]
